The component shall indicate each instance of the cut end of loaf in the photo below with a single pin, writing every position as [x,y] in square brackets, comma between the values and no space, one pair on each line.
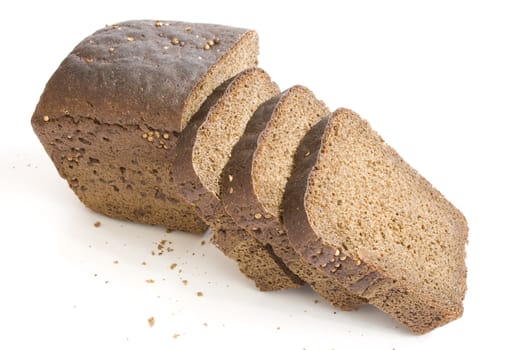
[226,122]
[241,56]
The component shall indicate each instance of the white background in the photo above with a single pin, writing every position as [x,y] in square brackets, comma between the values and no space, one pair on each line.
[443,83]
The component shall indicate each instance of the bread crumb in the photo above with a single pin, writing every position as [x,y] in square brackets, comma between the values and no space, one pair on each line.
[185,282]
[203,242]
[205,324]
[115,261]
[150,280]
[143,263]
[200,294]
[169,230]
[316,301]
[151,321]
[173,266]
[176,335]
[97,224]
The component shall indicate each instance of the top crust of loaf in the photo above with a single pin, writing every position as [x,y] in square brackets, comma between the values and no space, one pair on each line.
[154,73]
[348,256]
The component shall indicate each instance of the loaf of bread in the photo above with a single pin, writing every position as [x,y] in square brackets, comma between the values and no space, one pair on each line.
[354,209]
[203,149]
[255,177]
[110,115]
[172,124]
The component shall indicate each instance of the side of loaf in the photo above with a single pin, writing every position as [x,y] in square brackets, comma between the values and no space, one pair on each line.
[110,115]
[203,149]
[252,190]
[375,225]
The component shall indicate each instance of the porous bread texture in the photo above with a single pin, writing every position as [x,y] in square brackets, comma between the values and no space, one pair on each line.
[255,178]
[357,210]
[116,171]
[114,98]
[203,149]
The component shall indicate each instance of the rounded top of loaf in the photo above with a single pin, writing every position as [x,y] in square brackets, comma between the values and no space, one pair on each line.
[146,72]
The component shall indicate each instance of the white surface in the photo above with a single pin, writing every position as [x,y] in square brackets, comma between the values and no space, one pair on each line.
[444,84]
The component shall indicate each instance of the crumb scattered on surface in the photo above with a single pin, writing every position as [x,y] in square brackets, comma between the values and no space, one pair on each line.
[200,294]
[169,230]
[163,246]
[150,280]
[176,335]
[115,261]
[97,224]
[143,263]
[173,266]
[151,321]
[316,301]
[203,242]
[278,327]
[185,282]
[205,324]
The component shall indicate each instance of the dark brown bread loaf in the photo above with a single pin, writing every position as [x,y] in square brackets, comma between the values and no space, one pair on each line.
[357,211]
[203,149]
[255,178]
[110,115]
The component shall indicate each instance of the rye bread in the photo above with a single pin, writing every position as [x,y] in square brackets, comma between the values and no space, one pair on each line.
[203,149]
[255,178]
[356,210]
[110,115]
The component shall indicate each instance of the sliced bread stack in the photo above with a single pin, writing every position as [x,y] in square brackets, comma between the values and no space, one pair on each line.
[203,149]
[256,175]
[171,123]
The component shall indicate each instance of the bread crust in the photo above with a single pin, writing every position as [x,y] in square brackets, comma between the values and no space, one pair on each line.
[418,311]
[131,73]
[242,203]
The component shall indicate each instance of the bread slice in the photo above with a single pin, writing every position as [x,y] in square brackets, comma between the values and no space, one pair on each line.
[255,178]
[203,149]
[110,115]
[355,209]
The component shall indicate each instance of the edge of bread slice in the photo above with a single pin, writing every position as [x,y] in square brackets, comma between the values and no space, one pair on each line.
[360,213]
[203,149]
[255,177]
